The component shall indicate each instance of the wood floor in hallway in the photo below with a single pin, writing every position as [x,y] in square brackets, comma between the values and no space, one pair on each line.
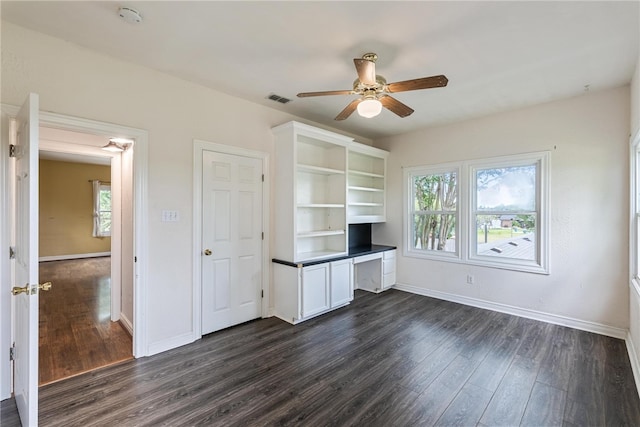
[76,331]
[392,359]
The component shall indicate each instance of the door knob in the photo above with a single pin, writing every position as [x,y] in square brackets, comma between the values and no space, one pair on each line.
[207,252]
[45,286]
[17,290]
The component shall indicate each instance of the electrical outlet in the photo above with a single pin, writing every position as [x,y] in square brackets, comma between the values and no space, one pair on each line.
[470,279]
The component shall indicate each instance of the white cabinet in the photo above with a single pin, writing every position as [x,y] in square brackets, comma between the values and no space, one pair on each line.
[366,184]
[341,282]
[310,186]
[388,269]
[315,290]
[305,292]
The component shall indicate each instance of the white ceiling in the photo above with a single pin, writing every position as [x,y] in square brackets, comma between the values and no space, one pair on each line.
[497,55]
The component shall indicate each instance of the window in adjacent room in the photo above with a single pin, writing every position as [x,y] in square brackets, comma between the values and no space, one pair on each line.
[101,209]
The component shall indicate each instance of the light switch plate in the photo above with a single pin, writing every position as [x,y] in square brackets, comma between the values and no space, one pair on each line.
[170,216]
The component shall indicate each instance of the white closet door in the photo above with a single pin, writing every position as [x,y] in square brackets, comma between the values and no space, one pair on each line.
[232,240]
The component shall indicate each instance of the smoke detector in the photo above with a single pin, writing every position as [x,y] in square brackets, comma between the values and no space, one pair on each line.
[130,15]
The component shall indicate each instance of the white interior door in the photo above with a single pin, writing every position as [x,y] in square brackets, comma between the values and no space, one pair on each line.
[231,239]
[26,263]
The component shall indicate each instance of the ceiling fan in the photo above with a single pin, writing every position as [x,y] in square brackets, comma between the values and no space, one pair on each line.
[374,90]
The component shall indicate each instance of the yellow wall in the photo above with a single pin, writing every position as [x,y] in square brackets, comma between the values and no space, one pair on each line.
[66,214]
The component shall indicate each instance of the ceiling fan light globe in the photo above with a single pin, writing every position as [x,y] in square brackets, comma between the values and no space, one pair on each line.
[369,108]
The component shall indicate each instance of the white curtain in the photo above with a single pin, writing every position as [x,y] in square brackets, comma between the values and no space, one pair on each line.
[96,207]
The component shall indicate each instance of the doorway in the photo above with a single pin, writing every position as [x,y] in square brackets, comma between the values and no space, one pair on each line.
[80,327]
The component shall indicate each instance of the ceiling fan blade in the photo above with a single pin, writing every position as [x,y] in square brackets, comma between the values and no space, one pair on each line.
[415,84]
[328,92]
[348,109]
[395,106]
[366,71]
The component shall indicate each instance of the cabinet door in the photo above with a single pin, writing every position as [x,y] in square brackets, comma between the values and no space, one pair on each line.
[315,289]
[388,269]
[341,282]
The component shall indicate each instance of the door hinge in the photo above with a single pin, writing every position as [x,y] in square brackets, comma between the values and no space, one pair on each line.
[263,235]
[12,150]
[12,252]
[262,293]
[262,177]
[12,352]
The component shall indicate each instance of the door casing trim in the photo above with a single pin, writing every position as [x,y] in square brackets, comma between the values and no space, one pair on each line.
[140,206]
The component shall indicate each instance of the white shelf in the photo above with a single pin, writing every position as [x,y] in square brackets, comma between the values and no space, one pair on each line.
[359,219]
[319,170]
[372,189]
[365,204]
[362,173]
[320,233]
[321,205]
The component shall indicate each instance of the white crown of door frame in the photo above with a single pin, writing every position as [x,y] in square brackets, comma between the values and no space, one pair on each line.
[198,147]
[140,168]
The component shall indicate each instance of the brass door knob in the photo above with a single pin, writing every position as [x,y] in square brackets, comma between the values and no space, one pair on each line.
[45,286]
[207,252]
[17,290]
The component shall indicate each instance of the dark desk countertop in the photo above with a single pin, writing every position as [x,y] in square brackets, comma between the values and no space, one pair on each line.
[353,252]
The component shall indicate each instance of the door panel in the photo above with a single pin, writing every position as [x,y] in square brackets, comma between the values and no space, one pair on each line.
[26,263]
[231,230]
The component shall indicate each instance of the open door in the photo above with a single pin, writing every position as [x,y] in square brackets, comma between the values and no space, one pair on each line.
[25,286]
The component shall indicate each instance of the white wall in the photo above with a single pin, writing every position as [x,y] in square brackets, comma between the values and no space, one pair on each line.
[589,192]
[77,82]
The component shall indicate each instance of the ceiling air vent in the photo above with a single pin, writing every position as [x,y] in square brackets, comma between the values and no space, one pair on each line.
[278,98]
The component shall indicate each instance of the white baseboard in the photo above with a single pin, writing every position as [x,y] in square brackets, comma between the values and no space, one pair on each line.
[555,319]
[128,325]
[633,358]
[171,343]
[73,256]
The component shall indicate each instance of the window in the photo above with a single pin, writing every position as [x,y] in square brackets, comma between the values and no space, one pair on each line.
[434,211]
[101,209]
[489,212]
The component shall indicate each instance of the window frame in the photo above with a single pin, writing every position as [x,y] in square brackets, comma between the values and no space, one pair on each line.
[410,174]
[634,217]
[466,234]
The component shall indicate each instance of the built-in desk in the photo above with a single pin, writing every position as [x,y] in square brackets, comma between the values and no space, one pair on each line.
[307,289]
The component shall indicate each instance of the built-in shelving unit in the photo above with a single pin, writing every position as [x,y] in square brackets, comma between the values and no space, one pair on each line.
[312,178]
[366,184]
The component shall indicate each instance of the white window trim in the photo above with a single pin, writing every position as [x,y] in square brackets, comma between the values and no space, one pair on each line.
[634,217]
[465,240]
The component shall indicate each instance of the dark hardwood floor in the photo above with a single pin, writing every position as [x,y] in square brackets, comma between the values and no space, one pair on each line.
[76,331]
[393,359]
